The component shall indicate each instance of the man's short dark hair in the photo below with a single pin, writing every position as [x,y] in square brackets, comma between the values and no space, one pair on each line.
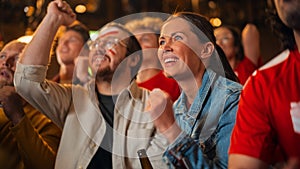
[81,29]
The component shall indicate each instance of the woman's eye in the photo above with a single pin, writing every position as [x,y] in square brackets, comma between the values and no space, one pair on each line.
[177,37]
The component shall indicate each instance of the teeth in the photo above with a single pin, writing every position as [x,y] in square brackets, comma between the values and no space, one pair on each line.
[99,59]
[171,60]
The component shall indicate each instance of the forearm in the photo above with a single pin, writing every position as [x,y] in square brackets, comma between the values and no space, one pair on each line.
[251,43]
[38,50]
[37,151]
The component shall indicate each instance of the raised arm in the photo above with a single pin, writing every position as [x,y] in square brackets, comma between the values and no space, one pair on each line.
[38,50]
[30,74]
[184,150]
[251,43]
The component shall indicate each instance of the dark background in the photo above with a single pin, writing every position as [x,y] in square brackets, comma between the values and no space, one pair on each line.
[14,22]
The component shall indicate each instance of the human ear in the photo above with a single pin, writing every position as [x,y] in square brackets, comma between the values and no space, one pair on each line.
[207,50]
[134,60]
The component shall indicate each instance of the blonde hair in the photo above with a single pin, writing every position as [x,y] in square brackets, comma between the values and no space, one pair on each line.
[152,23]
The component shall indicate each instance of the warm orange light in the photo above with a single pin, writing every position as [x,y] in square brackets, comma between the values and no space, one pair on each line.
[29,10]
[216,22]
[80,9]
[212,4]
[91,7]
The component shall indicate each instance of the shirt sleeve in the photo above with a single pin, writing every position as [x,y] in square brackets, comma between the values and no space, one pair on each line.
[37,139]
[46,96]
[252,134]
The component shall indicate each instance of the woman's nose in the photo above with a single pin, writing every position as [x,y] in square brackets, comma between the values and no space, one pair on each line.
[167,44]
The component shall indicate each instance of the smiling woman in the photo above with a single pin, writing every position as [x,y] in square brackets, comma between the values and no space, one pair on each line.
[199,124]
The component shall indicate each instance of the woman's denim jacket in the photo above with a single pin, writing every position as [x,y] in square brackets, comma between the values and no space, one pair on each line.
[206,125]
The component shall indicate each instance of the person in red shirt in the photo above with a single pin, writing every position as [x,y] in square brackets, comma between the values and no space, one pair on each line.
[267,130]
[151,75]
[243,53]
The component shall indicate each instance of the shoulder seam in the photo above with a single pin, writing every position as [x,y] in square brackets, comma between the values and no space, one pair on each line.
[277,60]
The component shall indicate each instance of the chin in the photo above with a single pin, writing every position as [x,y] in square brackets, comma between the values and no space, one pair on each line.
[5,83]
[170,74]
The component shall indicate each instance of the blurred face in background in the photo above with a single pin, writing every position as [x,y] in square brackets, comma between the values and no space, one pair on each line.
[146,38]
[69,47]
[149,43]
[8,59]
[225,40]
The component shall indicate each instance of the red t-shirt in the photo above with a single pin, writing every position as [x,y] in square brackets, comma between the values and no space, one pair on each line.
[244,69]
[164,83]
[264,127]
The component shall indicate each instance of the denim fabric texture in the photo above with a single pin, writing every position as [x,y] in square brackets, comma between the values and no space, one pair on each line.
[206,125]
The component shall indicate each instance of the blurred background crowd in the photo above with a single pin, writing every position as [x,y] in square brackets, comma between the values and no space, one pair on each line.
[20,18]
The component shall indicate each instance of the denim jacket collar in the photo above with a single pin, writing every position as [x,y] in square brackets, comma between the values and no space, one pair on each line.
[190,115]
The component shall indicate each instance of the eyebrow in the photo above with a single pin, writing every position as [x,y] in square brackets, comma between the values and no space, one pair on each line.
[70,37]
[174,33]
[16,54]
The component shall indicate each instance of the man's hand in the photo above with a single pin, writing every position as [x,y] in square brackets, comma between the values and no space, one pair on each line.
[11,104]
[63,12]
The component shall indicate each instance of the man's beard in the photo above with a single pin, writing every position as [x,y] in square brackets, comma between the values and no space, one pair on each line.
[5,83]
[105,74]
[292,20]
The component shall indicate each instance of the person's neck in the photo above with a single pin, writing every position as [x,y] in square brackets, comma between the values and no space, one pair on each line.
[104,88]
[233,62]
[190,86]
[66,73]
[110,88]
[146,74]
